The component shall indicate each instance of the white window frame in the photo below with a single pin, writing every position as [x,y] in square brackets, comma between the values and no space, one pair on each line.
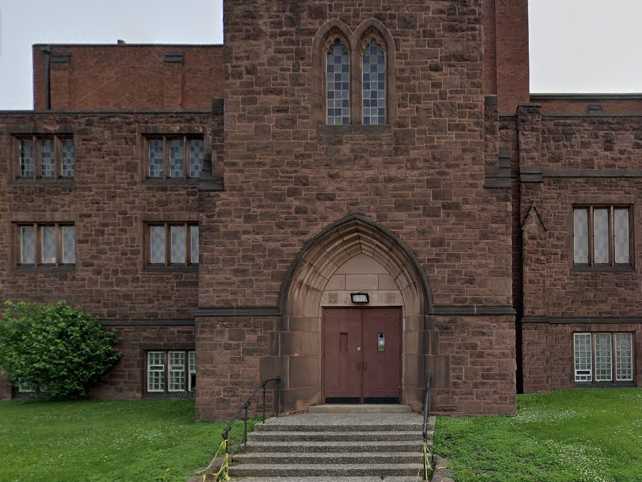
[583,375]
[156,368]
[26,387]
[631,366]
[609,359]
[191,369]
[177,368]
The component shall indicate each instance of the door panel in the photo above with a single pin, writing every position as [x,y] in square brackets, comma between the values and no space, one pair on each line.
[342,353]
[382,353]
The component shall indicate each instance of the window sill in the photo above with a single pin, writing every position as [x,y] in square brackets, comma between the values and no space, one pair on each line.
[606,385]
[179,268]
[203,183]
[625,268]
[169,395]
[332,132]
[44,268]
[44,181]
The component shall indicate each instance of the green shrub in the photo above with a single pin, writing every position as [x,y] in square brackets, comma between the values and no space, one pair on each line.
[57,349]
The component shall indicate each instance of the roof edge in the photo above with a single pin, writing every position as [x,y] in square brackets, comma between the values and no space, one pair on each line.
[586,96]
[160,45]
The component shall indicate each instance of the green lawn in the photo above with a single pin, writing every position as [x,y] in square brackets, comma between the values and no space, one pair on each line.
[572,435]
[104,441]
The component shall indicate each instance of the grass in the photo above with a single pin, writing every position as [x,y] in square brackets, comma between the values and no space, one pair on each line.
[104,441]
[572,435]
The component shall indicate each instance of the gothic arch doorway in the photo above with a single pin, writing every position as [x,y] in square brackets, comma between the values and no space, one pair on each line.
[354,254]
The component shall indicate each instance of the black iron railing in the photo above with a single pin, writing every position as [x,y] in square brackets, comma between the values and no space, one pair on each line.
[426,451]
[244,414]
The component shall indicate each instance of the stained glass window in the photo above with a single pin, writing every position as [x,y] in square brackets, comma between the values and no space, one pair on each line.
[196,157]
[68,244]
[27,164]
[27,245]
[176,156]
[601,236]
[48,158]
[48,244]
[156,158]
[338,84]
[157,244]
[374,85]
[581,240]
[621,234]
[68,158]
[178,240]
[624,357]
[194,241]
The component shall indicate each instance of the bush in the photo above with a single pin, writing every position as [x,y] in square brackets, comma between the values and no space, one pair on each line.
[59,350]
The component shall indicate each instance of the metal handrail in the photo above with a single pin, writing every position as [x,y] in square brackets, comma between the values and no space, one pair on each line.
[426,413]
[243,413]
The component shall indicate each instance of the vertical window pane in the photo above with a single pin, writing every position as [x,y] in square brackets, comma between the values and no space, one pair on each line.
[68,244]
[603,357]
[156,158]
[374,85]
[196,157]
[156,371]
[27,245]
[601,236]
[624,357]
[157,244]
[338,85]
[49,244]
[583,361]
[179,250]
[580,238]
[621,235]
[48,159]
[176,158]
[192,371]
[194,241]
[68,158]
[27,166]
[176,371]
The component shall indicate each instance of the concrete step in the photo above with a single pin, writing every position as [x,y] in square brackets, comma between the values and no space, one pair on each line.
[337,409]
[285,446]
[352,427]
[325,470]
[413,478]
[373,458]
[334,436]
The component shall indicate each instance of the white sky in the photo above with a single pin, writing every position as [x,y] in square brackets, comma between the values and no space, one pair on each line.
[576,45]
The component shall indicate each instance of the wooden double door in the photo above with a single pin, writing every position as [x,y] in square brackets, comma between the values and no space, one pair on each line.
[362,354]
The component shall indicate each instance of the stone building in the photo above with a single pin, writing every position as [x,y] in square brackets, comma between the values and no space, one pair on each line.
[352,196]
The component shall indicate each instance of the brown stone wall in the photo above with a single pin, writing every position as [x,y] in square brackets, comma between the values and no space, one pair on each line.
[127,77]
[548,352]
[127,380]
[473,365]
[108,200]
[234,355]
[585,103]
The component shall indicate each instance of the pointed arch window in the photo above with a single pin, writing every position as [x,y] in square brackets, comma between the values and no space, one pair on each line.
[374,84]
[338,84]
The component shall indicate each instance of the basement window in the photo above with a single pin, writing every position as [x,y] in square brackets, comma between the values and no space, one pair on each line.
[176,157]
[603,358]
[46,157]
[171,371]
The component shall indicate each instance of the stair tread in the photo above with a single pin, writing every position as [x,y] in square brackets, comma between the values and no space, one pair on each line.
[347,444]
[338,432]
[329,455]
[322,466]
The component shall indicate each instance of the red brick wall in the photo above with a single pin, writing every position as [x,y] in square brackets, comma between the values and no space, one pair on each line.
[109,202]
[128,77]
[548,352]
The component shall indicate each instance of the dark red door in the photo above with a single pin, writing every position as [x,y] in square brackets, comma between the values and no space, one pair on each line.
[382,353]
[342,353]
[362,353]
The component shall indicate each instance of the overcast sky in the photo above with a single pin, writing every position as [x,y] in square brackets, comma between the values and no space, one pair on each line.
[576,45]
